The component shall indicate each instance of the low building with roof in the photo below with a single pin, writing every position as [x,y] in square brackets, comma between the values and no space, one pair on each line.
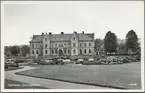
[74,44]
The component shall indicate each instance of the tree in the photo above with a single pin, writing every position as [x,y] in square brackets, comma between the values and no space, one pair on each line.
[121,48]
[7,51]
[25,49]
[110,43]
[132,41]
[99,46]
[15,50]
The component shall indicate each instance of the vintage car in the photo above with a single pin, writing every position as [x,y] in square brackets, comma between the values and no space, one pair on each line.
[10,64]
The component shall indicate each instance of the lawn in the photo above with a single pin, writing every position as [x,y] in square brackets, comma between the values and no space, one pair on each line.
[126,76]
[11,84]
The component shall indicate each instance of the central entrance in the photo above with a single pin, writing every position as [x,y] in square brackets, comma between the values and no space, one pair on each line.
[60,52]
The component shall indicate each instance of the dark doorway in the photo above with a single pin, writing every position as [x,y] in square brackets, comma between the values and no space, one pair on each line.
[60,52]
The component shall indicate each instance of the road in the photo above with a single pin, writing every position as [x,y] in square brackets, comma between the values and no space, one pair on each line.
[53,84]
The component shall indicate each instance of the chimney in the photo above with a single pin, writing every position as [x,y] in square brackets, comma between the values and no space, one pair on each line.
[82,32]
[62,32]
[75,32]
[42,33]
[49,33]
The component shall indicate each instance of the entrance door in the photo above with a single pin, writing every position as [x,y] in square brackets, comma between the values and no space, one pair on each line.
[60,52]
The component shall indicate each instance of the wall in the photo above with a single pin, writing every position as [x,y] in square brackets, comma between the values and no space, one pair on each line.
[63,45]
[74,39]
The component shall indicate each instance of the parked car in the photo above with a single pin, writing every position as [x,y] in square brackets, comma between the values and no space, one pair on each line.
[79,61]
[66,60]
[10,64]
[48,61]
[91,59]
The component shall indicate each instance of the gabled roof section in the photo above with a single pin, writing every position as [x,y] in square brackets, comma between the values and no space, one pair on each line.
[63,37]
[91,35]
[84,37]
[37,38]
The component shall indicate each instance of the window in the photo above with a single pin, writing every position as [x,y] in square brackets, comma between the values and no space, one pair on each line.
[37,52]
[85,51]
[74,51]
[68,51]
[85,44]
[65,51]
[89,50]
[52,45]
[45,39]
[80,44]
[45,45]
[33,52]
[73,38]
[52,51]
[74,44]
[45,51]
[89,44]
[36,45]
[55,45]
[80,51]
[55,51]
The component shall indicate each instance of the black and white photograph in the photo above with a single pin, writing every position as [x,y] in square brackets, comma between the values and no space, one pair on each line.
[76,46]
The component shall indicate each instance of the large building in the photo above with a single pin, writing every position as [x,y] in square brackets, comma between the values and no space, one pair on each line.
[62,44]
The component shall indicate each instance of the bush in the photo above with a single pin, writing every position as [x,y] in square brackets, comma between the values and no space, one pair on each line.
[120,59]
[126,61]
[132,59]
[79,62]
[7,65]
[23,64]
[46,63]
[15,65]
[138,57]
[103,60]
[88,63]
[98,62]
[20,60]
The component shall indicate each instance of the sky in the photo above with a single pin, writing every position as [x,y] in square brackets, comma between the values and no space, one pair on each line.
[23,19]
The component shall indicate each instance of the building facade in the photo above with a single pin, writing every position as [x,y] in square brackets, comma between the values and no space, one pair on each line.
[62,44]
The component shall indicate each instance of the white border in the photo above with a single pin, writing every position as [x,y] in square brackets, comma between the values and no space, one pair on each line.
[57,90]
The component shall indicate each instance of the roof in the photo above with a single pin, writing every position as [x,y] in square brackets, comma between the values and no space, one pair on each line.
[63,37]
[37,38]
[59,37]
